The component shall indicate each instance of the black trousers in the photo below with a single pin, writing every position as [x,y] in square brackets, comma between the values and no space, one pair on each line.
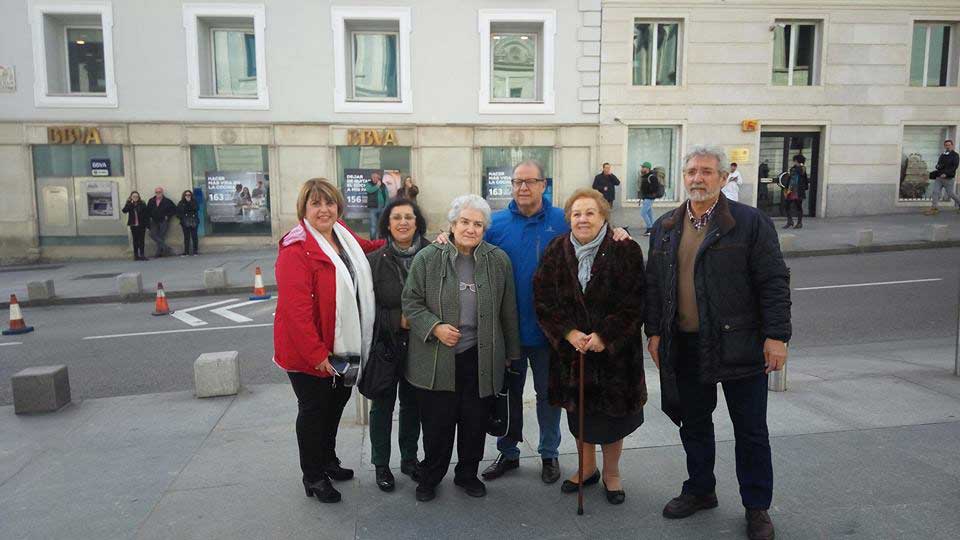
[189,234]
[138,232]
[320,406]
[445,414]
[792,207]
[747,403]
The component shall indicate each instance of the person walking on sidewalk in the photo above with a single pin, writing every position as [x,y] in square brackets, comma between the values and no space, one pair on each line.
[160,209]
[649,192]
[732,188]
[137,220]
[606,183]
[403,227]
[460,301]
[324,318]
[585,306]
[718,311]
[377,198]
[796,191]
[944,177]
[187,211]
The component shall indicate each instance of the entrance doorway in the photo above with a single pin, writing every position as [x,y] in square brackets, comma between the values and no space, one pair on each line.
[777,150]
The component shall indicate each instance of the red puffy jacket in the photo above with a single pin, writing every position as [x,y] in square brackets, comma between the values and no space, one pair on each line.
[306,308]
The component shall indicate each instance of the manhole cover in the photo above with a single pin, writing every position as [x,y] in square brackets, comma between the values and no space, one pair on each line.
[98,276]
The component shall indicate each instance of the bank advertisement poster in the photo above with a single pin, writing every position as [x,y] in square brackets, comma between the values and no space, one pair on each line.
[237,197]
[355,188]
[498,190]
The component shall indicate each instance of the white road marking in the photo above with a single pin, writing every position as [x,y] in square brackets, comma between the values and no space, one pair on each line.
[184,330]
[236,317]
[11,343]
[868,284]
[183,314]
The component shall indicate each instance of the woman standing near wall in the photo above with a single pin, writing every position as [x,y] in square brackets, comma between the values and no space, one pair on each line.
[187,212]
[137,221]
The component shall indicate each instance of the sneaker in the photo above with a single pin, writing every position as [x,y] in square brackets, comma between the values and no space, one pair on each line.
[473,486]
[500,466]
[759,525]
[688,504]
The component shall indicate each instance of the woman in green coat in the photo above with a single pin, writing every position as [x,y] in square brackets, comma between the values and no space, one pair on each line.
[461,305]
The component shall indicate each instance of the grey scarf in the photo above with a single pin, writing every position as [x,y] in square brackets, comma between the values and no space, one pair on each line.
[405,256]
[585,254]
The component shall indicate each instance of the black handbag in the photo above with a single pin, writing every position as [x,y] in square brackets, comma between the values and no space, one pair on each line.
[384,365]
[506,413]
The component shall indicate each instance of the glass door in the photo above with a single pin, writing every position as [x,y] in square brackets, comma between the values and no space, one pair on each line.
[777,153]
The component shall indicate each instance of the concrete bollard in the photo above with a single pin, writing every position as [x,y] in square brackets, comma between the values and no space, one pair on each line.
[217,374]
[938,232]
[865,238]
[214,279]
[786,241]
[130,284]
[40,290]
[40,389]
[777,380]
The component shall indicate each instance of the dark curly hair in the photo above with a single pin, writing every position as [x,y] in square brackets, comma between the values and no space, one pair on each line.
[383,228]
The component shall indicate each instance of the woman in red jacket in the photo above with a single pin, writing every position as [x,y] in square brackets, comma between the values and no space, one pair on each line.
[325,312]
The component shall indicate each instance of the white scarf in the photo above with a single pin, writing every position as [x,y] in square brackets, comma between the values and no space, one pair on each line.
[354,327]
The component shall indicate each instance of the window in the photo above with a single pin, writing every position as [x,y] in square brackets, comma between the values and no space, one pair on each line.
[498,164]
[922,146]
[73,55]
[656,53]
[796,54]
[355,165]
[232,186]
[658,145]
[225,56]
[517,59]
[372,60]
[931,61]
[67,160]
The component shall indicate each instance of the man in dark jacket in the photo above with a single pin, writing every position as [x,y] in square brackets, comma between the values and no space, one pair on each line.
[944,177]
[718,311]
[605,183]
[160,209]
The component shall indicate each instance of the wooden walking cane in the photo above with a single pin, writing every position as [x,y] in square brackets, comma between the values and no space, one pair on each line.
[580,443]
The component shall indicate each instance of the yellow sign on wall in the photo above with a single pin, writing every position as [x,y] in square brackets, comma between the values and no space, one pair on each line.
[749,125]
[740,155]
[371,137]
[73,135]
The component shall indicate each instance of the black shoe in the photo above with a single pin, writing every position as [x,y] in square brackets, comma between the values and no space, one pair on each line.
[500,466]
[336,472]
[614,497]
[688,504]
[759,525]
[788,225]
[385,480]
[426,493]
[322,489]
[410,467]
[473,486]
[550,472]
[571,487]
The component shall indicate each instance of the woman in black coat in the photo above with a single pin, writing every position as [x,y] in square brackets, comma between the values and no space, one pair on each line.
[589,294]
[404,227]
[187,212]
[136,211]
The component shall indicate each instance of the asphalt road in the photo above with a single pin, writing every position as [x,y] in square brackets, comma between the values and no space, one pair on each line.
[120,349]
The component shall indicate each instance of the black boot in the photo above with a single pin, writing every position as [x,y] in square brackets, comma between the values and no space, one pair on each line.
[322,489]
[336,472]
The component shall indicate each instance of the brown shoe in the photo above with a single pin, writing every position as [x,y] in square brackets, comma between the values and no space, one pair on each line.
[931,211]
[688,504]
[759,526]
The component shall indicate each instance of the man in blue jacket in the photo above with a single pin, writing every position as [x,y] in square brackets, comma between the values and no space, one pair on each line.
[523,230]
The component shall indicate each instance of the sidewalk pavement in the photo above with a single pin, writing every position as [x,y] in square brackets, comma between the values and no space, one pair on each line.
[864,446]
[95,281]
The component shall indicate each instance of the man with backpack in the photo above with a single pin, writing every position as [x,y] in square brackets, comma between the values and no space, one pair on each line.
[651,188]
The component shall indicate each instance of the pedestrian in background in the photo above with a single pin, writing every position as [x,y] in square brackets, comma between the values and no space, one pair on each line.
[137,220]
[325,316]
[606,183]
[796,191]
[403,227]
[649,191]
[160,209]
[377,197]
[732,188]
[944,177]
[408,190]
[187,211]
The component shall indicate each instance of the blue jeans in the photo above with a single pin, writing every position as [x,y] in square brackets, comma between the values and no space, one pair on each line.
[374,214]
[646,212]
[547,417]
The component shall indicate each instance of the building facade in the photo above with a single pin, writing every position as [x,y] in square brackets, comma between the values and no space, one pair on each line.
[241,102]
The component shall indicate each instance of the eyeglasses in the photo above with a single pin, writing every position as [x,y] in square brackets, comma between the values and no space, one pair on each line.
[471,286]
[518,182]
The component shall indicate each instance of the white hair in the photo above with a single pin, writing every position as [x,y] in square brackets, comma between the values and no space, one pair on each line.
[470,201]
[702,150]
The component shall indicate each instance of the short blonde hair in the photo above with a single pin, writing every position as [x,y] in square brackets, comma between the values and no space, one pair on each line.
[587,193]
[319,189]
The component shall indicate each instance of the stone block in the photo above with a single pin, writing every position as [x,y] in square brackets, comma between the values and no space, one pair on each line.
[40,389]
[589,5]
[865,238]
[590,18]
[217,374]
[588,34]
[786,241]
[590,107]
[214,278]
[777,380]
[40,290]
[938,232]
[130,284]
[590,48]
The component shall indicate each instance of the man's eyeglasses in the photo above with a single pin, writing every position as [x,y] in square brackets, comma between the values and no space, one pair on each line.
[517,182]
[471,286]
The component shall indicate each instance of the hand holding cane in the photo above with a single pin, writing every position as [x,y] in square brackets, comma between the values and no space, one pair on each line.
[580,442]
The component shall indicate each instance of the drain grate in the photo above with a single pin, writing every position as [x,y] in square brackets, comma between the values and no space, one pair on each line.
[98,276]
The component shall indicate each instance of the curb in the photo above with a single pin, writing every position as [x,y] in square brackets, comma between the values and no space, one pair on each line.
[876,248]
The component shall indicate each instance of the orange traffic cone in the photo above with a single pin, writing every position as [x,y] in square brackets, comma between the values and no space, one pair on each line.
[17,326]
[160,306]
[259,293]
